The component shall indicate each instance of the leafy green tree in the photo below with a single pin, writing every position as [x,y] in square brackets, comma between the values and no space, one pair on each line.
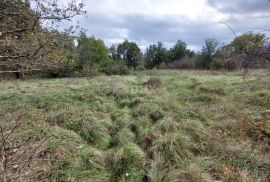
[179,51]
[130,53]
[248,42]
[247,50]
[113,52]
[208,53]
[155,55]
[92,52]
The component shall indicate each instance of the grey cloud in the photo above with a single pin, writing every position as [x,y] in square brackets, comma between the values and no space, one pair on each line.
[241,6]
[244,15]
[146,30]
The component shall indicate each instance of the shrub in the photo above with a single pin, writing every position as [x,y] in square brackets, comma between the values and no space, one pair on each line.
[186,63]
[217,64]
[162,66]
[89,70]
[115,68]
[140,67]
[232,64]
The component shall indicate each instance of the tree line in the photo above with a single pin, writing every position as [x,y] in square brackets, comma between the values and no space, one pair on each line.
[249,50]
[30,42]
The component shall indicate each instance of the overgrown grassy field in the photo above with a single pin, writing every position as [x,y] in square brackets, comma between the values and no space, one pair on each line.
[149,126]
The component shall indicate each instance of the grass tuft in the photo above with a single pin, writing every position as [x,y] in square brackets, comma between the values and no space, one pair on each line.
[154,82]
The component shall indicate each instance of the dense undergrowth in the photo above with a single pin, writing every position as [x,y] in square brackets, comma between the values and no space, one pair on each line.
[151,126]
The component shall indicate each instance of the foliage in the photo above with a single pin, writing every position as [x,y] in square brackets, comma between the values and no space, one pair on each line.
[115,68]
[207,53]
[92,53]
[248,41]
[113,52]
[27,46]
[129,53]
[247,50]
[158,56]
[155,55]
[179,51]
[217,64]
[186,63]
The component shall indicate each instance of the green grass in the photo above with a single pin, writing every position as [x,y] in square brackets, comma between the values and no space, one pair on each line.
[149,126]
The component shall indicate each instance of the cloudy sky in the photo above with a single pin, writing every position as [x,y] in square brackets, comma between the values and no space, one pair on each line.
[149,21]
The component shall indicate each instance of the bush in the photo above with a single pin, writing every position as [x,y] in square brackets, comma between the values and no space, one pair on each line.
[232,64]
[217,64]
[115,68]
[187,63]
[162,66]
[140,67]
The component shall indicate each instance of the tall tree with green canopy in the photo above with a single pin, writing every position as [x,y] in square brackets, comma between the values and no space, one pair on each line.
[208,52]
[248,42]
[155,55]
[130,53]
[113,52]
[179,51]
[250,48]
[92,52]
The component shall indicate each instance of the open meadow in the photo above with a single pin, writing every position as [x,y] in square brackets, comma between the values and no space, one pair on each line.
[147,126]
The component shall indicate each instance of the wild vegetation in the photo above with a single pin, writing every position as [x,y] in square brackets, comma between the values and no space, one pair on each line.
[32,44]
[150,126]
[147,121]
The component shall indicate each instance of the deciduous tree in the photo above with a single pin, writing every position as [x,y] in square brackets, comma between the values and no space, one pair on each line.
[92,52]
[28,30]
[130,53]
[155,55]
